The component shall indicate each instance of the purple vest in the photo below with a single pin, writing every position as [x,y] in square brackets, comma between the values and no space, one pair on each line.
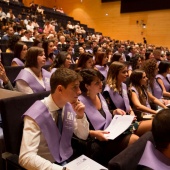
[103,70]
[147,102]
[33,83]
[95,117]
[121,102]
[157,90]
[165,81]
[53,70]
[48,62]
[18,61]
[59,144]
[154,159]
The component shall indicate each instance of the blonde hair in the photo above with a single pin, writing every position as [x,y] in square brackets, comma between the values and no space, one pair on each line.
[113,72]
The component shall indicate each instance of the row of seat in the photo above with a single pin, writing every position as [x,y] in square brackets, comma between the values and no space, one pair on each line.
[12,112]
[61,18]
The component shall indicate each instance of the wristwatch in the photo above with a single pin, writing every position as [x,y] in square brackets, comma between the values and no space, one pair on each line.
[64,168]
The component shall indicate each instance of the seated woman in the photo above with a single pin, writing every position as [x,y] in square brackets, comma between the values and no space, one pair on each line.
[20,51]
[63,59]
[85,61]
[162,77]
[139,94]
[48,46]
[33,78]
[116,57]
[4,81]
[135,63]
[116,95]
[101,61]
[149,54]
[100,117]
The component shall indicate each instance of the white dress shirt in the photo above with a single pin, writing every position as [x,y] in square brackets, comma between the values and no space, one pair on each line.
[34,152]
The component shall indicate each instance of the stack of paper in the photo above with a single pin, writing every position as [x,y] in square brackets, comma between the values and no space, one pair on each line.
[84,163]
[118,125]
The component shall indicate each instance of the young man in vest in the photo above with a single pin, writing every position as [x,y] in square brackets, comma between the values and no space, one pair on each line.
[158,156]
[47,138]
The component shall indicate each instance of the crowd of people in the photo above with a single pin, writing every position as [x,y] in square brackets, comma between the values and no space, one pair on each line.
[92,78]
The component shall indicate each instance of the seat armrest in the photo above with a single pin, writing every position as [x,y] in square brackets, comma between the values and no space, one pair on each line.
[11,161]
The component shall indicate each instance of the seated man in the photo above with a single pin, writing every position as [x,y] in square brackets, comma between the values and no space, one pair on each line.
[158,157]
[44,143]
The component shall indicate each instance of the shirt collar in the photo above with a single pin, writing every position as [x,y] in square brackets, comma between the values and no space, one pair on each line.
[49,102]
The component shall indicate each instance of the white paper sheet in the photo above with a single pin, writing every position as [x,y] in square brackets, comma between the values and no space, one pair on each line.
[84,163]
[118,125]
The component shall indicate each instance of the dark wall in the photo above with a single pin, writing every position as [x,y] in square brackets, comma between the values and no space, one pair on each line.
[143,5]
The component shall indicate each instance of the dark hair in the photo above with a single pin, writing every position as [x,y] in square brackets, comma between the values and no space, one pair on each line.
[135,79]
[99,58]
[83,59]
[64,77]
[163,67]
[134,61]
[45,47]
[161,129]
[115,57]
[136,76]
[60,59]
[147,54]
[12,41]
[88,76]
[31,56]
[36,42]
[17,49]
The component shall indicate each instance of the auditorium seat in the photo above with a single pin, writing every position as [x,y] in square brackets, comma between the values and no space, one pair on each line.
[129,158]
[3,47]
[12,72]
[6,58]
[11,110]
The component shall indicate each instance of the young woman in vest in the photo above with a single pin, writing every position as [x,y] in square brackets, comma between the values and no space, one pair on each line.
[116,95]
[100,117]
[150,67]
[20,51]
[163,77]
[48,46]
[62,60]
[85,61]
[33,78]
[139,94]
[101,61]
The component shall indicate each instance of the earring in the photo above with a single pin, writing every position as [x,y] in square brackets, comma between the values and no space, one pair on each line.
[88,93]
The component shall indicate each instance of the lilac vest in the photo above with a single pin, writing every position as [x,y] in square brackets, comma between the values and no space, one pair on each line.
[121,102]
[147,102]
[59,144]
[157,90]
[18,61]
[165,81]
[103,70]
[33,83]
[48,62]
[154,159]
[96,119]
[53,70]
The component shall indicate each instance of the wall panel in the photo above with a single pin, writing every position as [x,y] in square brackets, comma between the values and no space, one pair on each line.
[117,25]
